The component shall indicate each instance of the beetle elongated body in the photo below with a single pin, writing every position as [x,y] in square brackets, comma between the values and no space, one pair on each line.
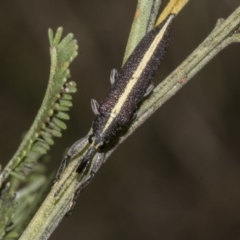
[128,89]
[117,109]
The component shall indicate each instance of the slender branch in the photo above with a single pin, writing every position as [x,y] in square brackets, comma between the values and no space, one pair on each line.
[59,200]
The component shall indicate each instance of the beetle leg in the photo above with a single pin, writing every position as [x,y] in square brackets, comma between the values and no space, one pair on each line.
[149,90]
[71,152]
[95,164]
[113,75]
[95,106]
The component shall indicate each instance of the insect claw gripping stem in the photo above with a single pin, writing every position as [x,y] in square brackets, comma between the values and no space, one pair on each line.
[92,165]
[95,106]
[149,90]
[61,168]
[89,155]
[77,193]
[75,148]
[113,75]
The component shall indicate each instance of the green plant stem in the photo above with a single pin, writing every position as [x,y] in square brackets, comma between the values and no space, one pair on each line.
[53,209]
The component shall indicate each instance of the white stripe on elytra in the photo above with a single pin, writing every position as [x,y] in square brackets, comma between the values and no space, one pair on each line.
[134,79]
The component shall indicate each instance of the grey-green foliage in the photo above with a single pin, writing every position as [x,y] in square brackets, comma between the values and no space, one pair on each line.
[15,212]
[29,199]
[8,206]
[49,120]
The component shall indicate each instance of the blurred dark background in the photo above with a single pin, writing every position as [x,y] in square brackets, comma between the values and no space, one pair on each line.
[178,176]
